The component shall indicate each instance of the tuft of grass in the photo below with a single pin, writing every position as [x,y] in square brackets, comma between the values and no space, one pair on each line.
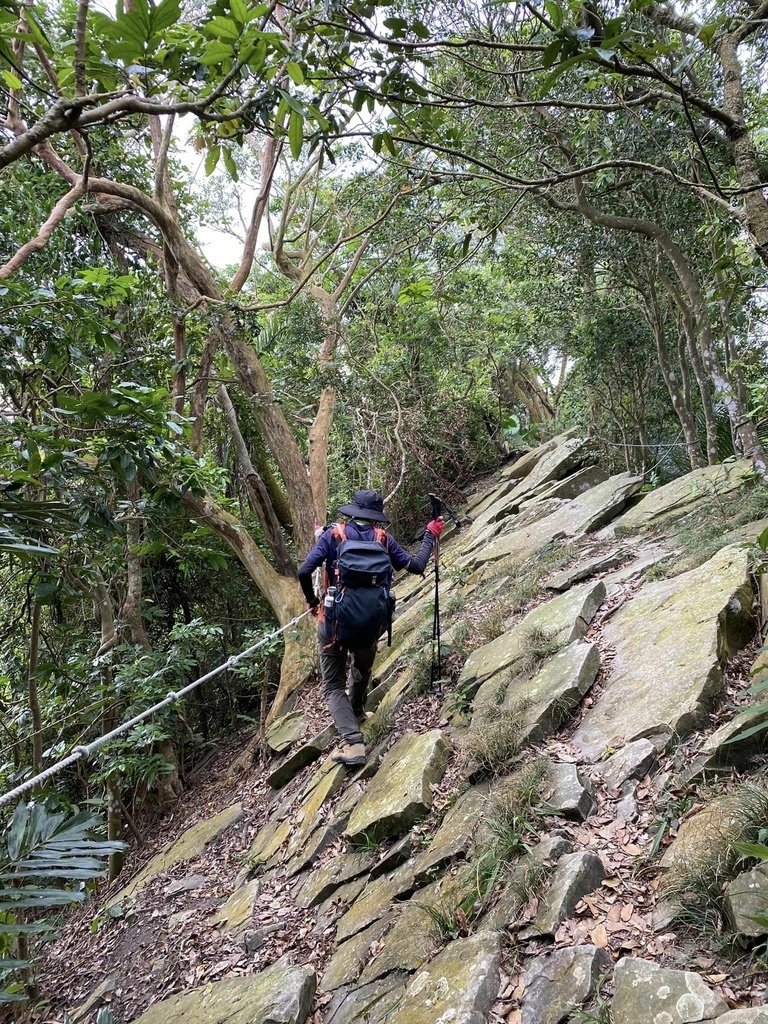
[538,645]
[378,727]
[699,535]
[495,739]
[511,812]
[697,884]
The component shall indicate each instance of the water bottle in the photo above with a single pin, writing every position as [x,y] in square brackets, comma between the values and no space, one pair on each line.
[330,598]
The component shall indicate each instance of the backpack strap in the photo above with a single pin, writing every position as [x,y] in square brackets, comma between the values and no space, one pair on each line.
[339,531]
[381,536]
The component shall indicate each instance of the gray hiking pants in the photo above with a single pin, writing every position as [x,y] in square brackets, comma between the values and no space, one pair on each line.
[345,707]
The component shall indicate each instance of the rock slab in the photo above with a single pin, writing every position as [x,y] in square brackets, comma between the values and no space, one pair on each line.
[648,994]
[190,845]
[281,995]
[560,982]
[747,898]
[458,987]
[576,875]
[400,792]
[669,642]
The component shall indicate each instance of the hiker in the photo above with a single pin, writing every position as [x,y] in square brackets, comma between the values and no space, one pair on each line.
[356,610]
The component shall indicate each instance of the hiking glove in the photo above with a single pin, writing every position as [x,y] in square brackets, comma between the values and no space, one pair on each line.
[436,527]
[313,605]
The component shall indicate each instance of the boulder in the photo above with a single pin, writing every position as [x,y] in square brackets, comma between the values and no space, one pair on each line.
[564,618]
[746,898]
[285,731]
[575,875]
[235,915]
[755,1015]
[375,901]
[454,836]
[669,642]
[459,986]
[570,795]
[187,884]
[189,846]
[632,761]
[648,994]
[554,466]
[706,837]
[280,995]
[591,567]
[400,793]
[682,495]
[558,983]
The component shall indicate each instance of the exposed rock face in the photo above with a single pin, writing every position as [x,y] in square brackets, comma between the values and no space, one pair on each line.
[682,495]
[530,867]
[400,793]
[190,845]
[648,994]
[374,901]
[556,689]
[308,752]
[564,619]
[599,563]
[322,882]
[457,987]
[281,995]
[669,642]
[747,898]
[571,486]
[560,982]
[756,1015]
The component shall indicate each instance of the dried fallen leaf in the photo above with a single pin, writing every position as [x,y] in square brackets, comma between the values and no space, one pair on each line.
[599,936]
[627,911]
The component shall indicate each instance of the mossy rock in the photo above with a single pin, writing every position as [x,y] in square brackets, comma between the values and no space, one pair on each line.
[189,846]
[280,995]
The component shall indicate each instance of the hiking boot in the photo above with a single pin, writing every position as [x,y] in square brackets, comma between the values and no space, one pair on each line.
[351,754]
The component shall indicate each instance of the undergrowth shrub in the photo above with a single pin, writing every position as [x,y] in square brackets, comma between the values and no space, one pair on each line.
[496,738]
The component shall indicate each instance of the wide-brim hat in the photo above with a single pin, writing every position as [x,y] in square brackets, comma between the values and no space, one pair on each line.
[365,505]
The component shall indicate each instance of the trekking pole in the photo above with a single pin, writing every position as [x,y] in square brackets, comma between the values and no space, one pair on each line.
[436,668]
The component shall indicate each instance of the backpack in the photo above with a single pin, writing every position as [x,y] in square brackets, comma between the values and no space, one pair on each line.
[360,612]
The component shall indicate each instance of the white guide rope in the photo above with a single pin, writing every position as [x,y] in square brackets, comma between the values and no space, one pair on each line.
[89,748]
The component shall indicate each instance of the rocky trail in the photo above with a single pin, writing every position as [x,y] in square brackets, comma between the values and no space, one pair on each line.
[549,840]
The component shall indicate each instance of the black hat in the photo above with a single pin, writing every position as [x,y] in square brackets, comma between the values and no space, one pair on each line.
[365,505]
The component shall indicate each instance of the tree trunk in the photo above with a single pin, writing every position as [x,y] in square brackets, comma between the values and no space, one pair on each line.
[679,404]
[33,698]
[130,612]
[104,615]
[283,594]
[257,493]
[699,371]
[319,435]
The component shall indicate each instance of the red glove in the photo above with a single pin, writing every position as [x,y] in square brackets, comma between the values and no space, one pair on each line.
[436,527]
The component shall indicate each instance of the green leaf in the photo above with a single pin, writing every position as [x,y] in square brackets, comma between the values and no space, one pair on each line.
[762,540]
[222,28]
[239,10]
[164,15]
[757,850]
[11,80]
[216,52]
[229,163]
[294,70]
[212,159]
[296,133]
[551,53]
[555,13]
[420,29]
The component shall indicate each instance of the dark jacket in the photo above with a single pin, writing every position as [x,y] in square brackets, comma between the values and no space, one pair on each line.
[326,551]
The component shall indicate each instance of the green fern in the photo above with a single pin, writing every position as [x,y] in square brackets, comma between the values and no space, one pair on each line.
[40,854]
